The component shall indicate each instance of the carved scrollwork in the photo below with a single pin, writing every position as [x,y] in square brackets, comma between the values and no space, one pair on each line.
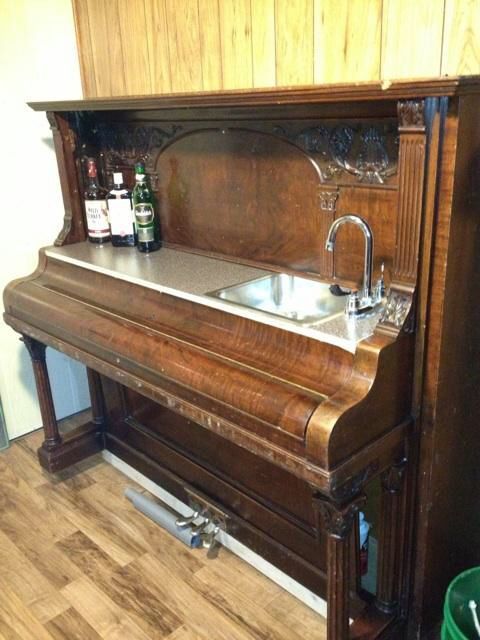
[124,145]
[354,484]
[392,478]
[338,519]
[370,153]
[396,309]
[411,114]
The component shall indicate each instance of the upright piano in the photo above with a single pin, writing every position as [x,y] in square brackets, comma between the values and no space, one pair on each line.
[282,420]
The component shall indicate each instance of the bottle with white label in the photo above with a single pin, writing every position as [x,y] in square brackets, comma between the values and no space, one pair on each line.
[96,207]
[120,214]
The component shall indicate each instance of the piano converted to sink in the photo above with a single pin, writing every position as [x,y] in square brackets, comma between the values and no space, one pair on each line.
[283,420]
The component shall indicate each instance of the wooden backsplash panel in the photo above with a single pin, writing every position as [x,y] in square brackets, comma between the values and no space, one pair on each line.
[255,196]
[379,208]
[244,194]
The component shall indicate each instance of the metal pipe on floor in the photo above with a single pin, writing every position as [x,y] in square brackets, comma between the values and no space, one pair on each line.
[164,517]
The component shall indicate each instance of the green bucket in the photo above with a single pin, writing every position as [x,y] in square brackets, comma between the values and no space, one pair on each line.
[457,618]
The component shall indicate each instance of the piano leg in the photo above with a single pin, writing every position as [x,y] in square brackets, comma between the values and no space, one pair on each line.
[57,452]
[47,410]
[338,520]
[96,398]
[390,538]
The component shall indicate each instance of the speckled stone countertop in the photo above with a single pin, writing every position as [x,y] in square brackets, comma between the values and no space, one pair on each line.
[192,276]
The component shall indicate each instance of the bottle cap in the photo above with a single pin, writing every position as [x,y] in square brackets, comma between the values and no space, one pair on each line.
[92,168]
[139,168]
[118,178]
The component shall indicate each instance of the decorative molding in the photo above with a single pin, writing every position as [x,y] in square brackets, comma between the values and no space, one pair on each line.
[354,485]
[65,142]
[328,199]
[396,309]
[367,152]
[123,144]
[411,115]
[338,519]
[392,478]
[410,201]
[35,348]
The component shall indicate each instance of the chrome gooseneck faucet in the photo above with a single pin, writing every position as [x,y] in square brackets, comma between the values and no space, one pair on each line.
[368,299]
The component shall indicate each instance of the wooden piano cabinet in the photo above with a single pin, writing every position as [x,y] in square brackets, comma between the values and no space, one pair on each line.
[282,428]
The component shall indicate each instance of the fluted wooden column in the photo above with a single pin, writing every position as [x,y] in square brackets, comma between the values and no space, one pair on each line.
[390,538]
[338,520]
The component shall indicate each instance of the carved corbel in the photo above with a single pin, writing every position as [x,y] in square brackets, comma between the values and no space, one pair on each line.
[338,519]
[65,142]
[411,115]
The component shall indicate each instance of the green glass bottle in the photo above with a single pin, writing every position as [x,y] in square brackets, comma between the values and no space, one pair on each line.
[144,211]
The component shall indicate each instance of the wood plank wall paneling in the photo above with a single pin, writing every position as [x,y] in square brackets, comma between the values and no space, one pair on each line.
[411,38]
[134,47]
[236,43]
[461,42]
[347,40]
[183,45]
[210,44]
[294,38]
[157,40]
[263,43]
[158,46]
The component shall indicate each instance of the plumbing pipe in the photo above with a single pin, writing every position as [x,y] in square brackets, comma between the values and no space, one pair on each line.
[163,517]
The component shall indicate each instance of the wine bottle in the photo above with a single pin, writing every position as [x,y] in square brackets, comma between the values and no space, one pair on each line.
[143,209]
[120,214]
[96,207]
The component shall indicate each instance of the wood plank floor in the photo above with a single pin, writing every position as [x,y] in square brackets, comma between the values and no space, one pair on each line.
[78,562]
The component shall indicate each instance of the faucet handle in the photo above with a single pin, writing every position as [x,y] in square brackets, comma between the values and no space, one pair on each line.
[353,304]
[380,286]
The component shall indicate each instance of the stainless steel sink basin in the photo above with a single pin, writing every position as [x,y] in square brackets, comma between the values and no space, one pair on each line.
[299,299]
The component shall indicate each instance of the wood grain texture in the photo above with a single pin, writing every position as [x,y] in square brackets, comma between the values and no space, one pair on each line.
[412,171]
[294,42]
[461,37]
[70,625]
[411,38]
[85,48]
[143,600]
[236,43]
[107,47]
[210,44]
[157,46]
[135,50]
[158,51]
[344,51]
[263,43]
[184,45]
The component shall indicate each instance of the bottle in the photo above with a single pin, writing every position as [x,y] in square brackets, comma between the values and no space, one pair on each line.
[120,214]
[96,207]
[143,209]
